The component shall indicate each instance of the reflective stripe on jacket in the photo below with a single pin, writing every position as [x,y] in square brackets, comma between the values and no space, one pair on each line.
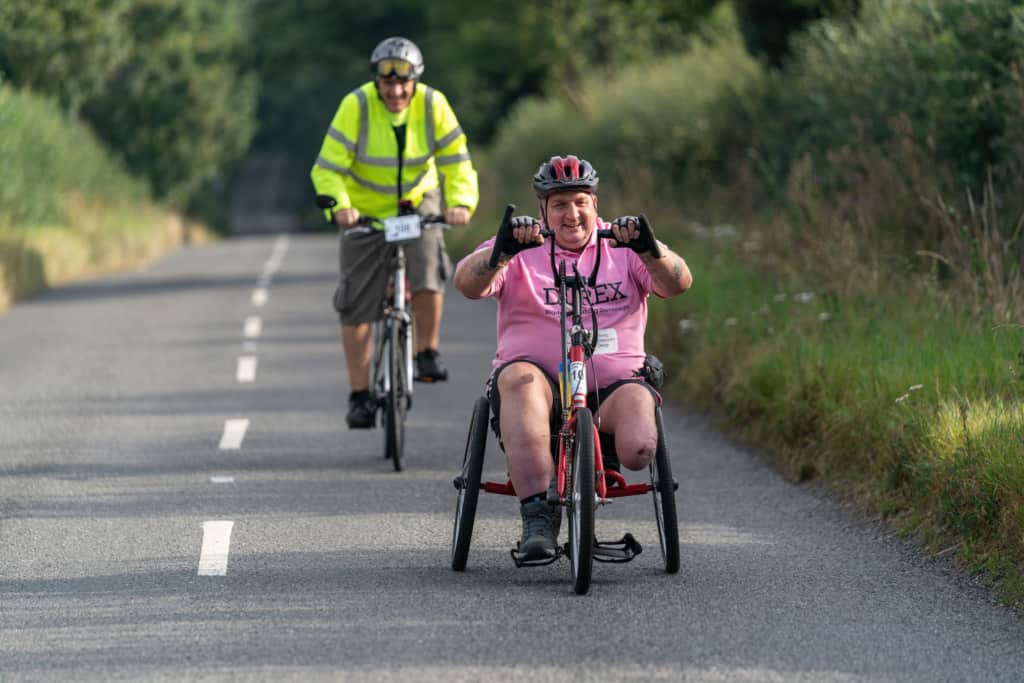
[358,162]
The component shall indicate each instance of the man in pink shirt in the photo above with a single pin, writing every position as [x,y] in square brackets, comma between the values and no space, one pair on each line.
[522,388]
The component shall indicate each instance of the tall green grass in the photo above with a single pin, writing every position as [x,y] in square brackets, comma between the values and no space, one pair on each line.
[45,156]
[67,208]
[914,408]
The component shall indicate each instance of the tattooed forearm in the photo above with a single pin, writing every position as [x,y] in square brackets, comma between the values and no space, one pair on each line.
[475,276]
[669,273]
[483,268]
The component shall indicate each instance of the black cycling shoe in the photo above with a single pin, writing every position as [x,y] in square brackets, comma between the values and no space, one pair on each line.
[429,367]
[362,410]
[541,521]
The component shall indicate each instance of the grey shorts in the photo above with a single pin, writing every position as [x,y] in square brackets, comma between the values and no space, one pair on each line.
[365,262]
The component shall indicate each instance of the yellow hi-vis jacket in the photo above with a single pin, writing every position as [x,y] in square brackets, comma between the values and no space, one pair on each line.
[358,163]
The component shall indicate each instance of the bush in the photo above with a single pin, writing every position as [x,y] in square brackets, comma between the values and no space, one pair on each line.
[946,66]
[40,168]
[675,126]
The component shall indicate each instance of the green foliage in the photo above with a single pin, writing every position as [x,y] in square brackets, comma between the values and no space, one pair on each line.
[180,109]
[556,46]
[485,57]
[158,80]
[907,400]
[66,48]
[673,126]
[947,67]
[41,169]
[768,27]
[309,53]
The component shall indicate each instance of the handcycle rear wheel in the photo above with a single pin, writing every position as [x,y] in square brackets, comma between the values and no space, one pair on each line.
[396,402]
[468,484]
[663,490]
[581,502]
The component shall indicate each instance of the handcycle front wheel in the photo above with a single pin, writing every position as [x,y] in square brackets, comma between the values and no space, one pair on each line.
[663,489]
[468,484]
[581,502]
[395,401]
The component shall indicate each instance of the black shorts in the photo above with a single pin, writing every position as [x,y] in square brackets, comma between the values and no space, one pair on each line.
[602,394]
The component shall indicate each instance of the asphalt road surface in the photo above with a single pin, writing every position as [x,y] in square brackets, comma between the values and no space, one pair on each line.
[180,500]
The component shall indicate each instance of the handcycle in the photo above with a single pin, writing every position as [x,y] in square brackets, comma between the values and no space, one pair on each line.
[391,373]
[582,481]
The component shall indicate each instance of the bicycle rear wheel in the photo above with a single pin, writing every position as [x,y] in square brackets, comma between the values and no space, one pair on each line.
[581,502]
[663,489]
[468,484]
[396,402]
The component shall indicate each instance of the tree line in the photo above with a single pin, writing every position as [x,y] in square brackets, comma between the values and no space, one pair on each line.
[181,89]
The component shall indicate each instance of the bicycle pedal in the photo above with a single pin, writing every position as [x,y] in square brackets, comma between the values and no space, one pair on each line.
[521,561]
[623,550]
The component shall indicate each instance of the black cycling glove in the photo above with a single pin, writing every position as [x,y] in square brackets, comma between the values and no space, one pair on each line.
[505,241]
[644,242]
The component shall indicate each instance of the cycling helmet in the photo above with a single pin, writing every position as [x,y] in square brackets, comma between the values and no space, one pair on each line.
[564,173]
[401,49]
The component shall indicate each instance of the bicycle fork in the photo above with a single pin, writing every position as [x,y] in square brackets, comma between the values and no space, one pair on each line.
[398,315]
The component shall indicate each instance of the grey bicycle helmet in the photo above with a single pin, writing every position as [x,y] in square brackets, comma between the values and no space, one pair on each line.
[398,48]
[564,173]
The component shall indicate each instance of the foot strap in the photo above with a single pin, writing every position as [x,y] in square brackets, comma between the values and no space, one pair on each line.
[522,560]
[623,550]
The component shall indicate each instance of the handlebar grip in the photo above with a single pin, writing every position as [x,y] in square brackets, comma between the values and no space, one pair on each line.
[505,220]
[644,227]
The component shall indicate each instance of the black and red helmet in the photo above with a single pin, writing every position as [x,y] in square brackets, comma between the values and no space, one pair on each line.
[564,173]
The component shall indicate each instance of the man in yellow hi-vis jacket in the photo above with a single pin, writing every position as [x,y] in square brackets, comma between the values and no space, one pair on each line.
[393,140]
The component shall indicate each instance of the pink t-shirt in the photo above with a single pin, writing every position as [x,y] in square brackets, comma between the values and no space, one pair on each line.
[528,311]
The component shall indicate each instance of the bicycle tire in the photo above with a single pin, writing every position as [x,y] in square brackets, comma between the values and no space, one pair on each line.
[663,491]
[395,402]
[469,484]
[581,503]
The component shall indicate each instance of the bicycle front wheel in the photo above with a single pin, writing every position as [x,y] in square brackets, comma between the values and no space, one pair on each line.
[581,502]
[468,484]
[663,488]
[396,402]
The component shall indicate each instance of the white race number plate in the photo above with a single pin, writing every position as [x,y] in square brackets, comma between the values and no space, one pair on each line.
[402,228]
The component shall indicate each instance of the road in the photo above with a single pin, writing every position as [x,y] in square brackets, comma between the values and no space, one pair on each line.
[122,407]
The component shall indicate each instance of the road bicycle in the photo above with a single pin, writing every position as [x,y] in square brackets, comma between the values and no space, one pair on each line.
[582,481]
[391,372]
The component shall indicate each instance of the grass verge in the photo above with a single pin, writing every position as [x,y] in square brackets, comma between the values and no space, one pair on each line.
[99,239]
[900,401]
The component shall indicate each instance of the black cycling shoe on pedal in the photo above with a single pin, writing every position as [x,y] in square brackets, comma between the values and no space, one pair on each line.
[429,367]
[362,410]
[541,522]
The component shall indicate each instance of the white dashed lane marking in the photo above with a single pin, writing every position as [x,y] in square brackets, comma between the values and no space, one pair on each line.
[246,368]
[213,557]
[253,327]
[259,296]
[234,433]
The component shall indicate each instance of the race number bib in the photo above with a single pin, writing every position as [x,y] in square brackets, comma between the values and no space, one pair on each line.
[607,341]
[578,379]
[402,228]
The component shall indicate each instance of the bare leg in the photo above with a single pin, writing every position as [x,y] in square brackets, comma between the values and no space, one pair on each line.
[525,427]
[426,310]
[629,414]
[355,339]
